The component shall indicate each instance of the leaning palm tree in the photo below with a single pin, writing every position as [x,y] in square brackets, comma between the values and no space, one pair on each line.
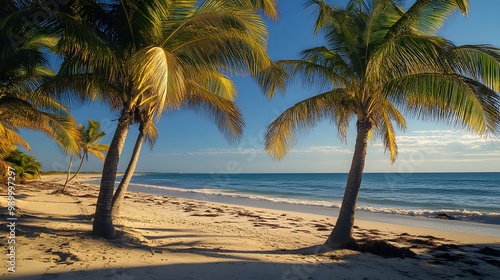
[89,138]
[134,53]
[380,62]
[147,132]
[216,103]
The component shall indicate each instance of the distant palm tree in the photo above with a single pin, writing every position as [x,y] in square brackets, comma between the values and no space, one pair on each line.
[380,62]
[26,166]
[89,138]
[135,54]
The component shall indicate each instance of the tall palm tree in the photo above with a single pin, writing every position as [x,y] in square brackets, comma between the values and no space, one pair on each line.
[89,138]
[147,52]
[380,62]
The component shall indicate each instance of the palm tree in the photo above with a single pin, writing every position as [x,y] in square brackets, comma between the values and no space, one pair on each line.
[89,138]
[381,61]
[26,166]
[23,70]
[147,131]
[148,52]
[216,103]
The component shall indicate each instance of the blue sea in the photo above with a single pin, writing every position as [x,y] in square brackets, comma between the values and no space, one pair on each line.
[471,197]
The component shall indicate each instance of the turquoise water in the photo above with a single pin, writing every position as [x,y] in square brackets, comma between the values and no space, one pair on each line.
[463,196]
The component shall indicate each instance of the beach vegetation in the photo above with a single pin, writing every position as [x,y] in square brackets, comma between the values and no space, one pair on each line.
[24,69]
[145,58]
[89,138]
[379,64]
[26,167]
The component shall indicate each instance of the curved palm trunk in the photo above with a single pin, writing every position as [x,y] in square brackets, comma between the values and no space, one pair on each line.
[67,175]
[122,188]
[103,222]
[74,175]
[342,232]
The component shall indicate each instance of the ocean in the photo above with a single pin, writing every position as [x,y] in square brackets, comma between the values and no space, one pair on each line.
[473,197]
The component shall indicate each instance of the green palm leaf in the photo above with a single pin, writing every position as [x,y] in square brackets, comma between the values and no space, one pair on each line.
[333,105]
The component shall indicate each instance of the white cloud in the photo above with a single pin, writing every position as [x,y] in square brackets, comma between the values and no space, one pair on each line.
[449,143]
[323,150]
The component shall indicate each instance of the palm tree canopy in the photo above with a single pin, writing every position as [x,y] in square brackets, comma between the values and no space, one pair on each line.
[147,57]
[154,56]
[23,70]
[146,51]
[382,62]
[26,166]
[90,136]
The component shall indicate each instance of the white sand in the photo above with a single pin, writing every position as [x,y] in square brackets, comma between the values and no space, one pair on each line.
[174,238]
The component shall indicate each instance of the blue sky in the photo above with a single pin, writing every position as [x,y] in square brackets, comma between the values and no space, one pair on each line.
[191,144]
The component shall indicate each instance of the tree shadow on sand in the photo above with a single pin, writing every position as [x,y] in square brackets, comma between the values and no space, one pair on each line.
[352,267]
[434,260]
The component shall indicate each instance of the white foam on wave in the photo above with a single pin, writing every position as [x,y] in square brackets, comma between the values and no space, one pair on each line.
[455,214]
[232,193]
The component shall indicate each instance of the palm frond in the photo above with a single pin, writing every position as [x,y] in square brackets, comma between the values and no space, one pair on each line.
[320,67]
[60,128]
[480,62]
[10,137]
[268,7]
[407,55]
[145,19]
[387,113]
[271,79]
[324,12]
[453,99]
[98,150]
[157,71]
[426,17]
[225,114]
[215,82]
[213,16]
[151,133]
[333,105]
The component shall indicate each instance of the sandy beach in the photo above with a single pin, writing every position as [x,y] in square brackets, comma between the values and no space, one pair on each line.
[162,237]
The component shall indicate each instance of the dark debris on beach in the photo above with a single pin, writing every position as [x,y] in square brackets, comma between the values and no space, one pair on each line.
[380,248]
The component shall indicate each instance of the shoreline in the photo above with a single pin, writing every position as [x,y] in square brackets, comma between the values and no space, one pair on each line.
[190,239]
[455,226]
[428,221]
[486,229]
[464,205]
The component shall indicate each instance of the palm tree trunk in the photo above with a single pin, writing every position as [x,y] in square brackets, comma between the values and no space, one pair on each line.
[122,188]
[74,175]
[342,232]
[67,175]
[103,222]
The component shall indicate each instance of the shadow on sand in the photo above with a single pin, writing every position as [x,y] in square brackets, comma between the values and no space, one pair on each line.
[315,262]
